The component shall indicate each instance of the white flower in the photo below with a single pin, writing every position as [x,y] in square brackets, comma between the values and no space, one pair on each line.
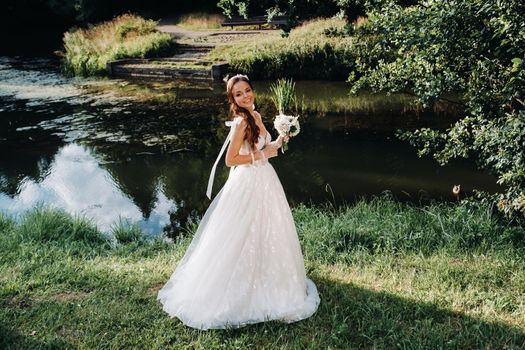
[287,125]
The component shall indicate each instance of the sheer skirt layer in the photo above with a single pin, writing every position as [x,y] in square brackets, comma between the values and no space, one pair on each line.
[244,264]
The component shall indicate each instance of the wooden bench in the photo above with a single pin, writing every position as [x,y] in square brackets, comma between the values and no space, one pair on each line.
[279,21]
[256,20]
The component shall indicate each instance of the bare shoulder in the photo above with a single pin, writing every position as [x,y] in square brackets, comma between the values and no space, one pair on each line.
[240,129]
[243,123]
[258,115]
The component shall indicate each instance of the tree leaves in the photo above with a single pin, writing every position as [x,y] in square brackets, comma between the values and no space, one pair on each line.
[473,46]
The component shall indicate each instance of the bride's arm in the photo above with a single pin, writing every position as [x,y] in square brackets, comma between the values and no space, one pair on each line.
[278,142]
[232,154]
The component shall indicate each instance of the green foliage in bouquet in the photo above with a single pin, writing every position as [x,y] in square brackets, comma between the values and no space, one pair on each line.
[283,95]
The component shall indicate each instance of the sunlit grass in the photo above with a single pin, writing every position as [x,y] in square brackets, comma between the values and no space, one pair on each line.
[306,53]
[390,275]
[200,21]
[87,51]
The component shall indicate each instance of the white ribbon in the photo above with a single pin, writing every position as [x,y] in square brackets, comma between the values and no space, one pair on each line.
[232,125]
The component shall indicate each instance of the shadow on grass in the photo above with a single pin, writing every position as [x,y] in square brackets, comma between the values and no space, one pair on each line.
[348,317]
[353,317]
[11,338]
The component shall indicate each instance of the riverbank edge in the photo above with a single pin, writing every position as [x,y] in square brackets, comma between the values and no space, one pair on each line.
[63,285]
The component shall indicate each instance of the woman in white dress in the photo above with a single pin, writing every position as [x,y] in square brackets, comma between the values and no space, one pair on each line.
[244,264]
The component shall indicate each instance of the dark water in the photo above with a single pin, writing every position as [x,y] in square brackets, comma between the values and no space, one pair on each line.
[142,152]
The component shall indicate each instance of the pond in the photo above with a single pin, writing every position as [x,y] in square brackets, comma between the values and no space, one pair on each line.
[141,152]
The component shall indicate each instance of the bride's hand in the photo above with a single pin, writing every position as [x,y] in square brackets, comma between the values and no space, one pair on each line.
[270,150]
[279,141]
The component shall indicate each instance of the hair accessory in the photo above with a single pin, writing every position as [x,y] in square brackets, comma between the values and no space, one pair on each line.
[227,78]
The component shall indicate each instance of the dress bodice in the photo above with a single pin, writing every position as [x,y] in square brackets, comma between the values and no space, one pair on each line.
[244,150]
[261,142]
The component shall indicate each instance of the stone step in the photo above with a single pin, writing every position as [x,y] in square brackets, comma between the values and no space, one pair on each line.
[179,58]
[183,48]
[147,68]
[196,46]
[152,71]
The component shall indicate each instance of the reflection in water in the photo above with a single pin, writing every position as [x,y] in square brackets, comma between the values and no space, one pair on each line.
[143,151]
[75,182]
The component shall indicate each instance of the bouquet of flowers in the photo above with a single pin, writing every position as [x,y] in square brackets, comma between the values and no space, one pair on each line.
[283,96]
[287,126]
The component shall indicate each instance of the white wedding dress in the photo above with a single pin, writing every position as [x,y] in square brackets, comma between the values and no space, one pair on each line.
[244,264]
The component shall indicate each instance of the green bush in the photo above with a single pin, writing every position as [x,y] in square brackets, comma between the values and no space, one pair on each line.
[87,51]
[472,46]
[294,8]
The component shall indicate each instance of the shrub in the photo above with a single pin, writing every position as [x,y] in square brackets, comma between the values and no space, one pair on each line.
[472,46]
[87,51]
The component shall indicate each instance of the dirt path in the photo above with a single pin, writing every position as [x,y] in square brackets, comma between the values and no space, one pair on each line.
[211,37]
[166,25]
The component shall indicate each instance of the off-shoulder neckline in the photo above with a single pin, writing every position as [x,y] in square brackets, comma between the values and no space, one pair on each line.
[267,132]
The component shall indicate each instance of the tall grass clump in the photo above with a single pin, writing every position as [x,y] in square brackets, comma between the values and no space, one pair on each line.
[385,225]
[87,51]
[126,232]
[309,52]
[44,224]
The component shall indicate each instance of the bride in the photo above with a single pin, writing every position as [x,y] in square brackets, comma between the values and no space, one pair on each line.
[244,264]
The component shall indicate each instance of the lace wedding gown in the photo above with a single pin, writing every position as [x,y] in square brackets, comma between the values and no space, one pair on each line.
[244,264]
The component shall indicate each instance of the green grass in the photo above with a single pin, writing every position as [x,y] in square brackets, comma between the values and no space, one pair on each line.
[200,21]
[390,275]
[87,51]
[126,232]
[307,53]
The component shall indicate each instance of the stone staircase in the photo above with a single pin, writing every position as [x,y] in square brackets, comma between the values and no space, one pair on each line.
[188,63]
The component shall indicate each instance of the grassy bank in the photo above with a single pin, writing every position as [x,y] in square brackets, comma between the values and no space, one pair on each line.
[308,53]
[86,51]
[389,275]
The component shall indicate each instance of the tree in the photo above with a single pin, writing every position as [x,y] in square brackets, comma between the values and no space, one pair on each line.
[471,46]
